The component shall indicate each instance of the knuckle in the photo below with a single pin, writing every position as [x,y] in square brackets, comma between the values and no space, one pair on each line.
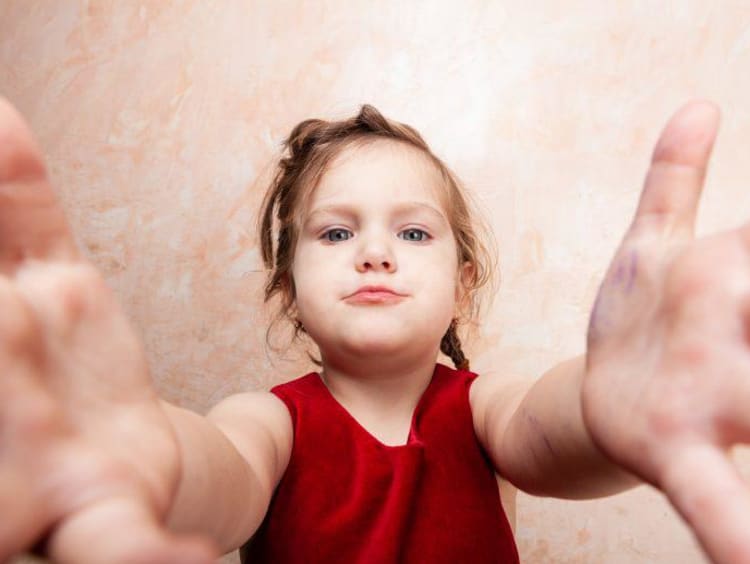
[687,281]
[644,226]
[708,267]
[694,354]
[33,418]
[18,327]
[65,295]
[664,421]
[80,292]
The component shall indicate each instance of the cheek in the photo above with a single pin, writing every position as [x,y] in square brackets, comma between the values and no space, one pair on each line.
[302,287]
[303,264]
[313,280]
[441,285]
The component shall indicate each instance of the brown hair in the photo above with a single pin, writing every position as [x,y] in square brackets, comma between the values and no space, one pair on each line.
[310,147]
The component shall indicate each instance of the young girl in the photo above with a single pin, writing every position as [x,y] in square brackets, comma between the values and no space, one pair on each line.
[381,455]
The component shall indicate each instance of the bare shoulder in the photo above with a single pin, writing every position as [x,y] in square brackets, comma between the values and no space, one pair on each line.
[251,404]
[260,427]
[494,397]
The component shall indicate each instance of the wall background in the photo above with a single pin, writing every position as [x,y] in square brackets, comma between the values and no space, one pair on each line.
[159,120]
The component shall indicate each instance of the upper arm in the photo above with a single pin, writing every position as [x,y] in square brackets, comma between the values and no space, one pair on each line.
[259,426]
[494,399]
[232,460]
[533,430]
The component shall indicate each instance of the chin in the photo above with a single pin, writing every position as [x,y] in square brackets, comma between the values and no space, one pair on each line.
[389,344]
[367,344]
[372,347]
[377,337]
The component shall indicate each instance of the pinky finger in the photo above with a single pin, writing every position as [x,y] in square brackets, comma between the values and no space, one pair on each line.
[707,490]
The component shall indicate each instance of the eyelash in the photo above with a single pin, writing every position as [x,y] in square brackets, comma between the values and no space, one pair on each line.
[425,236]
[327,234]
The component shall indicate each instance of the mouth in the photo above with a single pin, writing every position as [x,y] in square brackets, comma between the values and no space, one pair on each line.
[374,295]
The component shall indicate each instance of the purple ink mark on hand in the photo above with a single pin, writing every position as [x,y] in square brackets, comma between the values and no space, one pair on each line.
[595,320]
[632,271]
[626,271]
[619,273]
[623,277]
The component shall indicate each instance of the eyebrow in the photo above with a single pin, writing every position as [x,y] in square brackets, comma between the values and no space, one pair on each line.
[402,209]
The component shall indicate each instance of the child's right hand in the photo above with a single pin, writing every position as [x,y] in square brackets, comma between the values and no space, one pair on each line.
[88,460]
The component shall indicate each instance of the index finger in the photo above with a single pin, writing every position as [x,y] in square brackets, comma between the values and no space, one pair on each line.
[32,223]
[673,186]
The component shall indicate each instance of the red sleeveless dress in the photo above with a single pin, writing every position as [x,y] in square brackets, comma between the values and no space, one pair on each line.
[348,498]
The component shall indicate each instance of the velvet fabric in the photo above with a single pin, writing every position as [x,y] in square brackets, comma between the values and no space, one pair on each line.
[348,498]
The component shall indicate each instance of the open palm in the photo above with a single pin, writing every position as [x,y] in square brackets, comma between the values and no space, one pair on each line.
[88,460]
[667,391]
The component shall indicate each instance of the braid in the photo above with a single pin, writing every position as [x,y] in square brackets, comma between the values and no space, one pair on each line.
[451,346]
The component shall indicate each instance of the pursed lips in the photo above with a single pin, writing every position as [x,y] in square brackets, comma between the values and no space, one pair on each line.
[374,295]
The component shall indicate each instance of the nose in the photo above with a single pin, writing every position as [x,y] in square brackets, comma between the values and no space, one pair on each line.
[375,254]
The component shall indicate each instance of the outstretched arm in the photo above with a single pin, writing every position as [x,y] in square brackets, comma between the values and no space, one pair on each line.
[665,386]
[87,450]
[232,461]
[535,433]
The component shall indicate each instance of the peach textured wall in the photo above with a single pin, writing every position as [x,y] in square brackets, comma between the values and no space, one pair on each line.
[159,118]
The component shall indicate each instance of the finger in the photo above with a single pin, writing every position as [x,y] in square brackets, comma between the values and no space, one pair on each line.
[18,330]
[122,531]
[23,521]
[669,200]
[24,403]
[76,310]
[32,223]
[25,413]
[706,489]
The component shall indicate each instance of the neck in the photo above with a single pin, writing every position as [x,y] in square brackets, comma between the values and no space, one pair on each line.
[390,386]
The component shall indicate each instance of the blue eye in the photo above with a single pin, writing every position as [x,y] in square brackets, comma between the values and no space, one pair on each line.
[337,234]
[414,234]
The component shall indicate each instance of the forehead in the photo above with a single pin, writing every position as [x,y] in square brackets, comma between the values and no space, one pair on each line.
[381,171]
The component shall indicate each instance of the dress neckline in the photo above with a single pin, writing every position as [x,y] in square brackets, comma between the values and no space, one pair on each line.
[411,440]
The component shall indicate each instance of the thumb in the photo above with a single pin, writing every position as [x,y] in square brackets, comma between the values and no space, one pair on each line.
[671,192]
[32,223]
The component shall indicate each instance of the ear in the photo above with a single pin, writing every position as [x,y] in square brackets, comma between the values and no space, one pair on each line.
[466,272]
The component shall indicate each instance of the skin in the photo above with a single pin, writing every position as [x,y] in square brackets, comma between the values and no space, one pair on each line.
[87,447]
[375,219]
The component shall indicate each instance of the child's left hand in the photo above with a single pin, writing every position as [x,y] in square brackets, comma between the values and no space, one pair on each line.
[667,387]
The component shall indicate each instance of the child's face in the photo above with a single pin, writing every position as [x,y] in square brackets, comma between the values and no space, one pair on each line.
[376,220]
